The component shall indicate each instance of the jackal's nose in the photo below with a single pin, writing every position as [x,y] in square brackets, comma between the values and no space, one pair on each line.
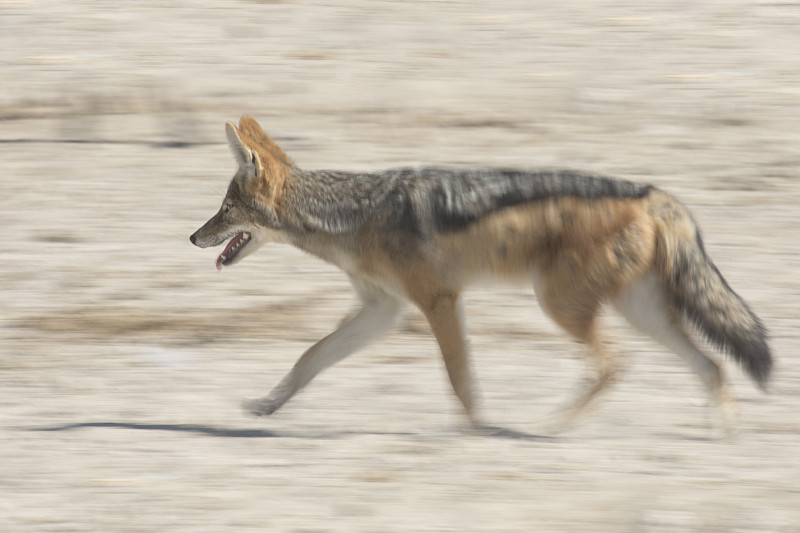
[192,238]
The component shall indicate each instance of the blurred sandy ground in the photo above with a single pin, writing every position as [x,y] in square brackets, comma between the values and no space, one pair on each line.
[123,354]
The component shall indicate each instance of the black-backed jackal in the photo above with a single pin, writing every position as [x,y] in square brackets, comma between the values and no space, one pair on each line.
[424,234]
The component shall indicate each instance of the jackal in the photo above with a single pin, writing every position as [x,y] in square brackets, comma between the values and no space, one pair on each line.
[423,234]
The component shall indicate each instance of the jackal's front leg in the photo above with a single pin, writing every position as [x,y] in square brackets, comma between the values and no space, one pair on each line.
[445,315]
[372,321]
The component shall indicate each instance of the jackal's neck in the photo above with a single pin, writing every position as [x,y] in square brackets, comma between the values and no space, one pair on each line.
[330,202]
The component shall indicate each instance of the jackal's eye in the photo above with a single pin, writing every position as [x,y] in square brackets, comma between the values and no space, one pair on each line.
[226,208]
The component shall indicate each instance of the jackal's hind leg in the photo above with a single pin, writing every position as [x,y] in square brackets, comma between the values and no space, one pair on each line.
[574,308]
[605,370]
[644,305]
[371,322]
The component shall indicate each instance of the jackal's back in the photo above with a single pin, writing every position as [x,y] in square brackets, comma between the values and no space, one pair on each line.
[460,198]
[428,199]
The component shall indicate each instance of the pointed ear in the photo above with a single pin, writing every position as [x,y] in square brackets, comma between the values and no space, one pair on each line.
[250,126]
[253,131]
[241,153]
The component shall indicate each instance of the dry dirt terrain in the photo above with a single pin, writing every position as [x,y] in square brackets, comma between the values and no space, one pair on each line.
[124,354]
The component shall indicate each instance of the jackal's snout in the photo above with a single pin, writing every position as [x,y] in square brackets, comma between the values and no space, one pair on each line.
[196,239]
[200,238]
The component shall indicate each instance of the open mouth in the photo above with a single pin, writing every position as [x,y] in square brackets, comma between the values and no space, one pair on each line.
[232,249]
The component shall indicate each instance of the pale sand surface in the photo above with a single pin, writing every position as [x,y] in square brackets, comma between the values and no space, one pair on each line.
[124,354]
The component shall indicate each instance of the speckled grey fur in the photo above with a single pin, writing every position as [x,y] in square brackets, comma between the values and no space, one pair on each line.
[429,198]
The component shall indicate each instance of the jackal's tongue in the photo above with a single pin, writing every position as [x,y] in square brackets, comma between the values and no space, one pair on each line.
[231,249]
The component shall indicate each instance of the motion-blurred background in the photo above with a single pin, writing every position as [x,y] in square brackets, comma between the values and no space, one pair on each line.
[124,354]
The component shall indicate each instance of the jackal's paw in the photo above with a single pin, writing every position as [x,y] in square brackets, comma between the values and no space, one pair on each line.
[557,422]
[260,407]
[728,425]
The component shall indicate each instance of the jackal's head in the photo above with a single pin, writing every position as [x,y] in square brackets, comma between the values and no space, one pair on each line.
[251,213]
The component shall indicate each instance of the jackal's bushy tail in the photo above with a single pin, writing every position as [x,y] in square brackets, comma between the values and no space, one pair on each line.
[699,292]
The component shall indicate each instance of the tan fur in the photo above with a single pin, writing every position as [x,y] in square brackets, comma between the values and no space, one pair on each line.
[580,253]
[274,164]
